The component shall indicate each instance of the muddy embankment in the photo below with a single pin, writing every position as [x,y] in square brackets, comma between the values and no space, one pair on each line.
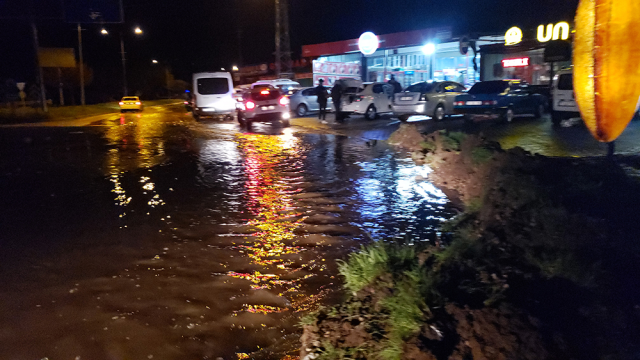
[543,263]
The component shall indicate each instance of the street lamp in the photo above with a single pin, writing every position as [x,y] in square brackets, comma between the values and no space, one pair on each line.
[154,61]
[137,31]
[429,49]
[104,31]
[235,68]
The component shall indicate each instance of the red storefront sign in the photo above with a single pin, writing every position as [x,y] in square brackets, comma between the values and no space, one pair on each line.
[517,62]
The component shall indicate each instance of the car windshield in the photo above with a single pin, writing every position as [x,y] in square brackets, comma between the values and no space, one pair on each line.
[489,87]
[130,99]
[213,86]
[565,82]
[422,87]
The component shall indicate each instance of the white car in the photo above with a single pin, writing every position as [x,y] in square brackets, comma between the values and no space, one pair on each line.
[564,102]
[371,99]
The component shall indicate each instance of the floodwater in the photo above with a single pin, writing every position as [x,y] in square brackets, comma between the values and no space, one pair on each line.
[143,238]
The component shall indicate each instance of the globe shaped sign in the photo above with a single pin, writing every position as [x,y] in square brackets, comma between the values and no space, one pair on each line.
[368,43]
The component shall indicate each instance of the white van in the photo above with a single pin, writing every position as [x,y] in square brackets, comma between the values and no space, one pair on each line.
[213,95]
[564,102]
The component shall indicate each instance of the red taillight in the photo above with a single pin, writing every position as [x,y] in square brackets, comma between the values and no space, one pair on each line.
[186,102]
[250,105]
[120,103]
[264,92]
[138,103]
[358,98]
[284,101]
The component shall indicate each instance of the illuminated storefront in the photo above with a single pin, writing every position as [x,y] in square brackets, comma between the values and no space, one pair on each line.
[533,55]
[410,56]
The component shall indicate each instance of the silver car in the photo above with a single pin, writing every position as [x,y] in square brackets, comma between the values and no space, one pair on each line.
[305,101]
[433,98]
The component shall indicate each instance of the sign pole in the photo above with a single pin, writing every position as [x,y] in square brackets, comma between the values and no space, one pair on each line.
[60,87]
[82,96]
[43,95]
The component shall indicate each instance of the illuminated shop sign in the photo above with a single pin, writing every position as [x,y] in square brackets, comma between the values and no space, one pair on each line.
[517,62]
[368,43]
[513,36]
[559,31]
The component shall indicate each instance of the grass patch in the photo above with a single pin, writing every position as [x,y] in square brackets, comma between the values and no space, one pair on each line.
[363,267]
[481,155]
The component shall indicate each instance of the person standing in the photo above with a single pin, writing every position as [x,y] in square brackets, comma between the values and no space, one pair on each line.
[336,96]
[396,85]
[321,93]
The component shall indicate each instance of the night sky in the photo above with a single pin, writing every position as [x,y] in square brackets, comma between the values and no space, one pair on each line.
[195,35]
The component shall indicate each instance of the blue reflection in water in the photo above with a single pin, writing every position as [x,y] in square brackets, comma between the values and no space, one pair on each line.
[394,204]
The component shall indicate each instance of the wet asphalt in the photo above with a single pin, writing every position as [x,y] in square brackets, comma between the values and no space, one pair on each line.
[152,236]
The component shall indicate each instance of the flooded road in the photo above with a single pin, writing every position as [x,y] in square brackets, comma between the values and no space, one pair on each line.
[153,237]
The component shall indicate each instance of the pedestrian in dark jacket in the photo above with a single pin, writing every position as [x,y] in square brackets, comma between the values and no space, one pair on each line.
[396,85]
[336,96]
[321,92]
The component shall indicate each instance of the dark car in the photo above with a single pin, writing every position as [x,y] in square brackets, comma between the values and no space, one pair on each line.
[263,104]
[505,98]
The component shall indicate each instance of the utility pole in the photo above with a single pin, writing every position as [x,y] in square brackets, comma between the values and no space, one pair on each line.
[82,96]
[124,66]
[36,45]
[283,44]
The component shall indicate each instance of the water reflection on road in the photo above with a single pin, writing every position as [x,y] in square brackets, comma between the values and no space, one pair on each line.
[208,247]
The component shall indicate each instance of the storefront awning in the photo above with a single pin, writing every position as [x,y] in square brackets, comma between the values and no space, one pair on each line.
[387,41]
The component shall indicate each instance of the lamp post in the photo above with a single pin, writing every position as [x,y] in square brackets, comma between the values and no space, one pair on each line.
[429,49]
[136,31]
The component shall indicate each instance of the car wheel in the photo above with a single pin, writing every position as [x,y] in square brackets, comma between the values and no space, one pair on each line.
[371,113]
[556,118]
[439,113]
[196,116]
[228,117]
[508,115]
[285,123]
[403,118]
[248,124]
[539,111]
[302,110]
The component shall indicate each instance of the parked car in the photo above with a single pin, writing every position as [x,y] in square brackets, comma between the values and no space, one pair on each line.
[371,100]
[130,103]
[286,86]
[305,101]
[263,103]
[505,98]
[433,98]
[564,102]
[213,95]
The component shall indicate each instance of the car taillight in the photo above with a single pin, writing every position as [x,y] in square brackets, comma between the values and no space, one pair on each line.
[120,103]
[264,92]
[284,101]
[138,103]
[458,103]
[250,105]
[186,102]
[492,102]
[358,98]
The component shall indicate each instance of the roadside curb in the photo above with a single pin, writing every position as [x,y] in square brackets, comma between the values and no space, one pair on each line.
[75,122]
